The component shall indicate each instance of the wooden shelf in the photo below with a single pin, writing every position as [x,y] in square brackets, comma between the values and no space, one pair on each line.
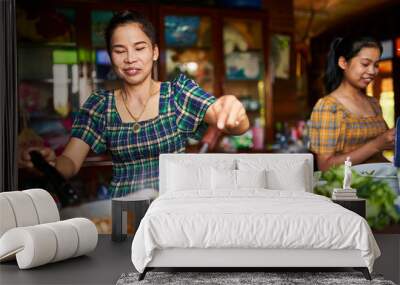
[56,45]
[188,48]
[228,80]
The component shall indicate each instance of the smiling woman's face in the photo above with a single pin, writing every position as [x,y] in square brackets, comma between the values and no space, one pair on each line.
[362,69]
[132,53]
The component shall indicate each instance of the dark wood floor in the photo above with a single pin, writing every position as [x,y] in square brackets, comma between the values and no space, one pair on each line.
[102,266]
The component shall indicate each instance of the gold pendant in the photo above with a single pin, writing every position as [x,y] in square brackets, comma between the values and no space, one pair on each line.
[136,128]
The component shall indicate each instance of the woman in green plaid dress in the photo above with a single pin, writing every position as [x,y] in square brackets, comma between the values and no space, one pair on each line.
[145,117]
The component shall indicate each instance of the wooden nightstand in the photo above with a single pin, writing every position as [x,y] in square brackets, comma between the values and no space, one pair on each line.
[355,205]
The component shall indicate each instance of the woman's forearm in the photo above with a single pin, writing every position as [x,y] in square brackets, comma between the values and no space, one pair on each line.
[71,160]
[65,166]
[357,156]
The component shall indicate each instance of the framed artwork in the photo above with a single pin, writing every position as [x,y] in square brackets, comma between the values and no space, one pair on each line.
[280,56]
[387,52]
[252,4]
[181,31]
[100,20]
[243,65]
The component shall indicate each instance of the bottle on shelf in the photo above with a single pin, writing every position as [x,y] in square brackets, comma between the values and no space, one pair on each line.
[258,135]
[280,137]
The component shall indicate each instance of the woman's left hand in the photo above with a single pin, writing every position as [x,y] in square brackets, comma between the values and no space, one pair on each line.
[228,114]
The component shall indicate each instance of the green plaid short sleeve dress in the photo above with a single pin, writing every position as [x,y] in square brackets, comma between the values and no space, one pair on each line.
[182,107]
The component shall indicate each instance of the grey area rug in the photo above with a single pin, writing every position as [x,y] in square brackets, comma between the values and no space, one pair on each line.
[229,278]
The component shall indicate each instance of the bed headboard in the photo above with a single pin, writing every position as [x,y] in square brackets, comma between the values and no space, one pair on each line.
[231,159]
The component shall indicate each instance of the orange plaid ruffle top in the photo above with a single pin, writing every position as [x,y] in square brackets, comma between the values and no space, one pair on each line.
[334,130]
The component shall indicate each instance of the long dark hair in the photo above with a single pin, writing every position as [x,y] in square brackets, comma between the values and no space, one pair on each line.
[128,17]
[348,48]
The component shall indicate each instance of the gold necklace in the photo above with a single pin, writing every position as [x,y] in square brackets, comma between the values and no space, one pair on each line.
[136,125]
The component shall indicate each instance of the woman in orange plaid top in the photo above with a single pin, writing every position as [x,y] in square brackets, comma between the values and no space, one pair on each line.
[347,122]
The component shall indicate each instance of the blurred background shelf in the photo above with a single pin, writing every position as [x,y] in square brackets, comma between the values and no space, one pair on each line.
[270,54]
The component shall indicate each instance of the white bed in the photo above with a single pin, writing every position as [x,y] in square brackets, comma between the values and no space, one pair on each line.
[217,224]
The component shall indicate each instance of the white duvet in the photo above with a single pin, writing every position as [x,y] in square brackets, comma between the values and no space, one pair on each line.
[252,218]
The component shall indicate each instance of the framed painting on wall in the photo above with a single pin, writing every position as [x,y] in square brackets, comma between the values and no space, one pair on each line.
[243,65]
[280,55]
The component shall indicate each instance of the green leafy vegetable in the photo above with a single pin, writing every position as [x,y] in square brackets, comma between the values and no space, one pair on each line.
[380,197]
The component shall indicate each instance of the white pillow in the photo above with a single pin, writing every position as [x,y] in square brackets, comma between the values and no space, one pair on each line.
[223,179]
[251,178]
[184,177]
[280,174]
[293,177]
